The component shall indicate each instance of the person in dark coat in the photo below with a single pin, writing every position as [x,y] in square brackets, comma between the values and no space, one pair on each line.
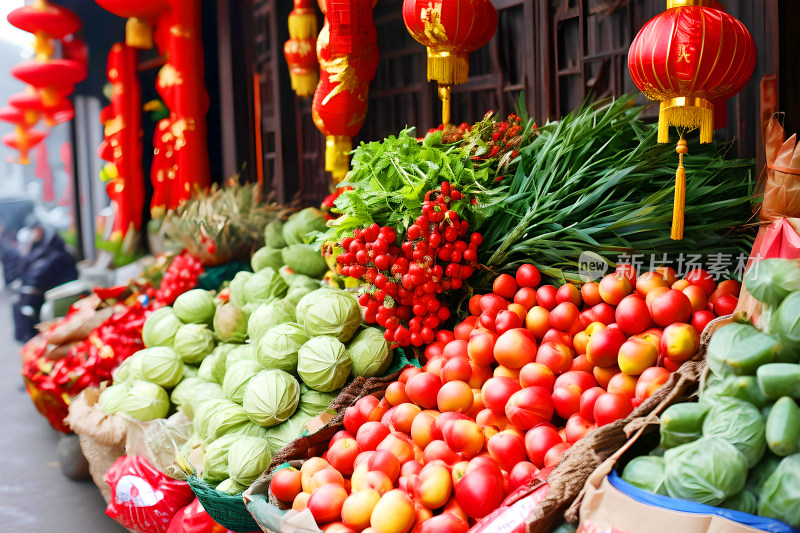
[38,262]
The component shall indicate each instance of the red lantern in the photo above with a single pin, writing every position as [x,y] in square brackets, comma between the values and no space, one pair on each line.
[450,30]
[19,117]
[123,135]
[22,141]
[140,15]
[46,22]
[50,77]
[347,48]
[688,58]
[300,50]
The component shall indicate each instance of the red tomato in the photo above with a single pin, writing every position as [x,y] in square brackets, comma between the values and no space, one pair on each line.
[526,297]
[505,286]
[480,491]
[538,442]
[702,279]
[569,293]
[528,276]
[701,319]
[554,454]
[475,305]
[506,320]
[463,330]
[286,484]
[588,399]
[444,336]
[546,297]
[590,292]
[564,316]
[611,406]
[457,348]
[726,304]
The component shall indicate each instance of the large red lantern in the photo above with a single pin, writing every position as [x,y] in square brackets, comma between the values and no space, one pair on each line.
[450,29]
[46,22]
[140,14]
[688,58]
[300,50]
[347,48]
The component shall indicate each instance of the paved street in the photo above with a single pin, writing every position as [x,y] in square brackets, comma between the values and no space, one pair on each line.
[35,497]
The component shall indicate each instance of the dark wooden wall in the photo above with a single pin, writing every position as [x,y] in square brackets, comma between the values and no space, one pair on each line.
[558,53]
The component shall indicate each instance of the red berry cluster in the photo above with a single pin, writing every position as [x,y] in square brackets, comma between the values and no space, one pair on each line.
[181,276]
[438,254]
[451,132]
[505,137]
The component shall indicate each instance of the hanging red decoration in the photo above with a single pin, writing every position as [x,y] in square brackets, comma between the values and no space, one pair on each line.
[141,15]
[300,50]
[688,58]
[51,77]
[180,165]
[23,141]
[46,22]
[123,141]
[347,48]
[18,117]
[450,30]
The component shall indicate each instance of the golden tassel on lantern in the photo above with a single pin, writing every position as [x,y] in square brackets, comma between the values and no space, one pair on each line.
[686,113]
[680,193]
[337,156]
[303,21]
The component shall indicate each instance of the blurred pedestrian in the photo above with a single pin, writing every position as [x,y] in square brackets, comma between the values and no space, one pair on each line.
[34,264]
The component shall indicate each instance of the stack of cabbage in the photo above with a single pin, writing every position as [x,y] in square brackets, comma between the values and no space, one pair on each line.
[286,347]
[739,447]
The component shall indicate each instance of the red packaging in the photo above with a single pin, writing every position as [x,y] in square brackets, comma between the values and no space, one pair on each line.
[142,498]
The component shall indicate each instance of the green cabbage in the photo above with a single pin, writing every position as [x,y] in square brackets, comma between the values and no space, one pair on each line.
[225,418]
[146,401]
[708,470]
[772,280]
[160,328]
[786,323]
[190,371]
[266,257]
[268,316]
[215,459]
[273,234]
[739,423]
[212,368]
[161,365]
[130,368]
[304,282]
[305,260]
[245,352]
[192,391]
[682,423]
[271,397]
[248,458]
[230,323]
[295,295]
[324,364]
[264,286]
[780,493]
[370,353]
[647,473]
[250,430]
[761,472]
[278,347]
[193,342]
[739,349]
[314,402]
[745,502]
[203,411]
[302,223]
[195,307]
[282,434]
[112,399]
[287,274]
[237,377]
[238,295]
[229,486]
[740,387]
[331,312]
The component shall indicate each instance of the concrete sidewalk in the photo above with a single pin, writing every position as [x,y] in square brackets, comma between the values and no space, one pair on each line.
[35,497]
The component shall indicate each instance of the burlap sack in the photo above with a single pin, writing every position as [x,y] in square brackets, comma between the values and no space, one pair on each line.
[567,480]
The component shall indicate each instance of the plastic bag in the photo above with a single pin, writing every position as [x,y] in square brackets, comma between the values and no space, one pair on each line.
[194,519]
[144,499]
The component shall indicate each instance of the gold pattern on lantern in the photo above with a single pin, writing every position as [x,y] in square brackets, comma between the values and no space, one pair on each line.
[432,19]
[168,76]
[340,71]
[683,55]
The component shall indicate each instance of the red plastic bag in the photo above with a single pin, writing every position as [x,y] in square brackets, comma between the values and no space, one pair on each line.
[194,519]
[142,498]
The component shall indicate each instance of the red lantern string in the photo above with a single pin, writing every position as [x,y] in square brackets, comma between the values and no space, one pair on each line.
[347,48]
[300,50]
[123,133]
